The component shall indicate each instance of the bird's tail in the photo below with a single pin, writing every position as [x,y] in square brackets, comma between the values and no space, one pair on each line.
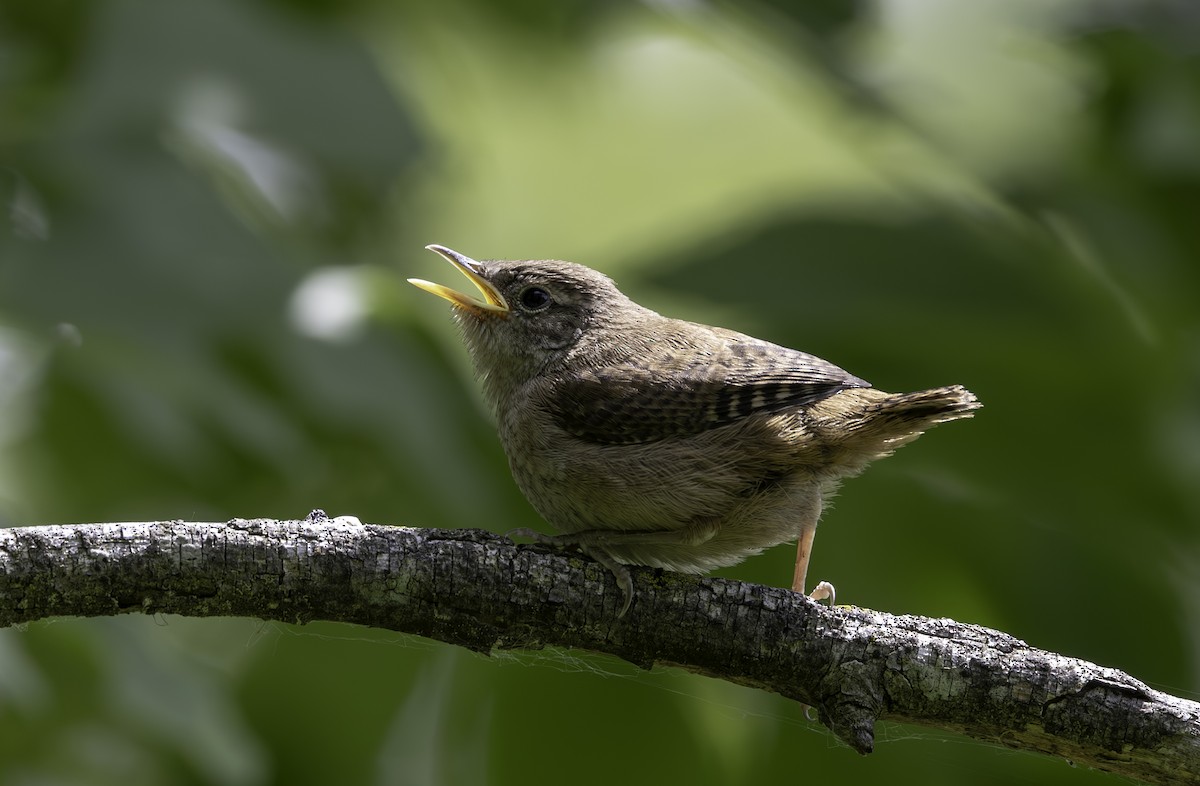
[868,424]
[925,408]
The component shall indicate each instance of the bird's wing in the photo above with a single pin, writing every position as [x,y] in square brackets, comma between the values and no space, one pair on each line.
[646,401]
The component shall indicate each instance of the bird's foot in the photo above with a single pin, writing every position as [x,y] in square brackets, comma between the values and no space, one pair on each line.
[822,591]
[620,572]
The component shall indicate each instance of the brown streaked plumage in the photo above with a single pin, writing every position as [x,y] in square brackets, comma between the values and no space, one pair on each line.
[646,440]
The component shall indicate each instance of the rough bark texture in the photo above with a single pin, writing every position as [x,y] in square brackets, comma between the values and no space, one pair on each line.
[478,590]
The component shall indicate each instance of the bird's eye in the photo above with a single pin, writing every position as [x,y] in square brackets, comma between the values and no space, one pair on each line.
[534,299]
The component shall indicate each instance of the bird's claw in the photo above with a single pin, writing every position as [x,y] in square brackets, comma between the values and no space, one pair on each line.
[822,591]
[619,571]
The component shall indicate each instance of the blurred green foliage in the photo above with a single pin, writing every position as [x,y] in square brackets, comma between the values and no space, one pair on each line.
[207,211]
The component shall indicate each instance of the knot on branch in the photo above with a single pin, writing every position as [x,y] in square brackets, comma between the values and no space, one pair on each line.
[851,702]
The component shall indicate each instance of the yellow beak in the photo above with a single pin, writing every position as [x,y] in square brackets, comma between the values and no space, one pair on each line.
[492,301]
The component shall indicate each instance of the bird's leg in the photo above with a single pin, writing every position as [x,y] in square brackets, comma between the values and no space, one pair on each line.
[593,542]
[804,543]
[803,552]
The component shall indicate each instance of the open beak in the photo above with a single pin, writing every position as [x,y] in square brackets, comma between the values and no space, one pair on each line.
[492,301]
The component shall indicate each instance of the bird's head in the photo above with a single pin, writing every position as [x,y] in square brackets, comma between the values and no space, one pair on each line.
[530,315]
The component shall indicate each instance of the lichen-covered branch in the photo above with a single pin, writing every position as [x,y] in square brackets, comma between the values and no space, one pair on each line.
[478,590]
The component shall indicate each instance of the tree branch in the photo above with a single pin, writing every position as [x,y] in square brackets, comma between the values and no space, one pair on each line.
[478,590]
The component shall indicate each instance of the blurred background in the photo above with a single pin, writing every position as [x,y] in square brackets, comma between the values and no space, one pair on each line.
[209,210]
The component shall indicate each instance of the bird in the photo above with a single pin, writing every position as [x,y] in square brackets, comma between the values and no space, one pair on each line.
[647,440]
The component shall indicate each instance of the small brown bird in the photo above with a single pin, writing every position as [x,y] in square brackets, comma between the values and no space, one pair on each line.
[646,440]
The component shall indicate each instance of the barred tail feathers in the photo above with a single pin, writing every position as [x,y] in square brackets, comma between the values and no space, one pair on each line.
[867,424]
[928,407]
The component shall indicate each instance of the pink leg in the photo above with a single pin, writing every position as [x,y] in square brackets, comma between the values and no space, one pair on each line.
[823,589]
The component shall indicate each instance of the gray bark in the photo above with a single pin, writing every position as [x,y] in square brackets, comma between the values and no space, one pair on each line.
[478,590]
